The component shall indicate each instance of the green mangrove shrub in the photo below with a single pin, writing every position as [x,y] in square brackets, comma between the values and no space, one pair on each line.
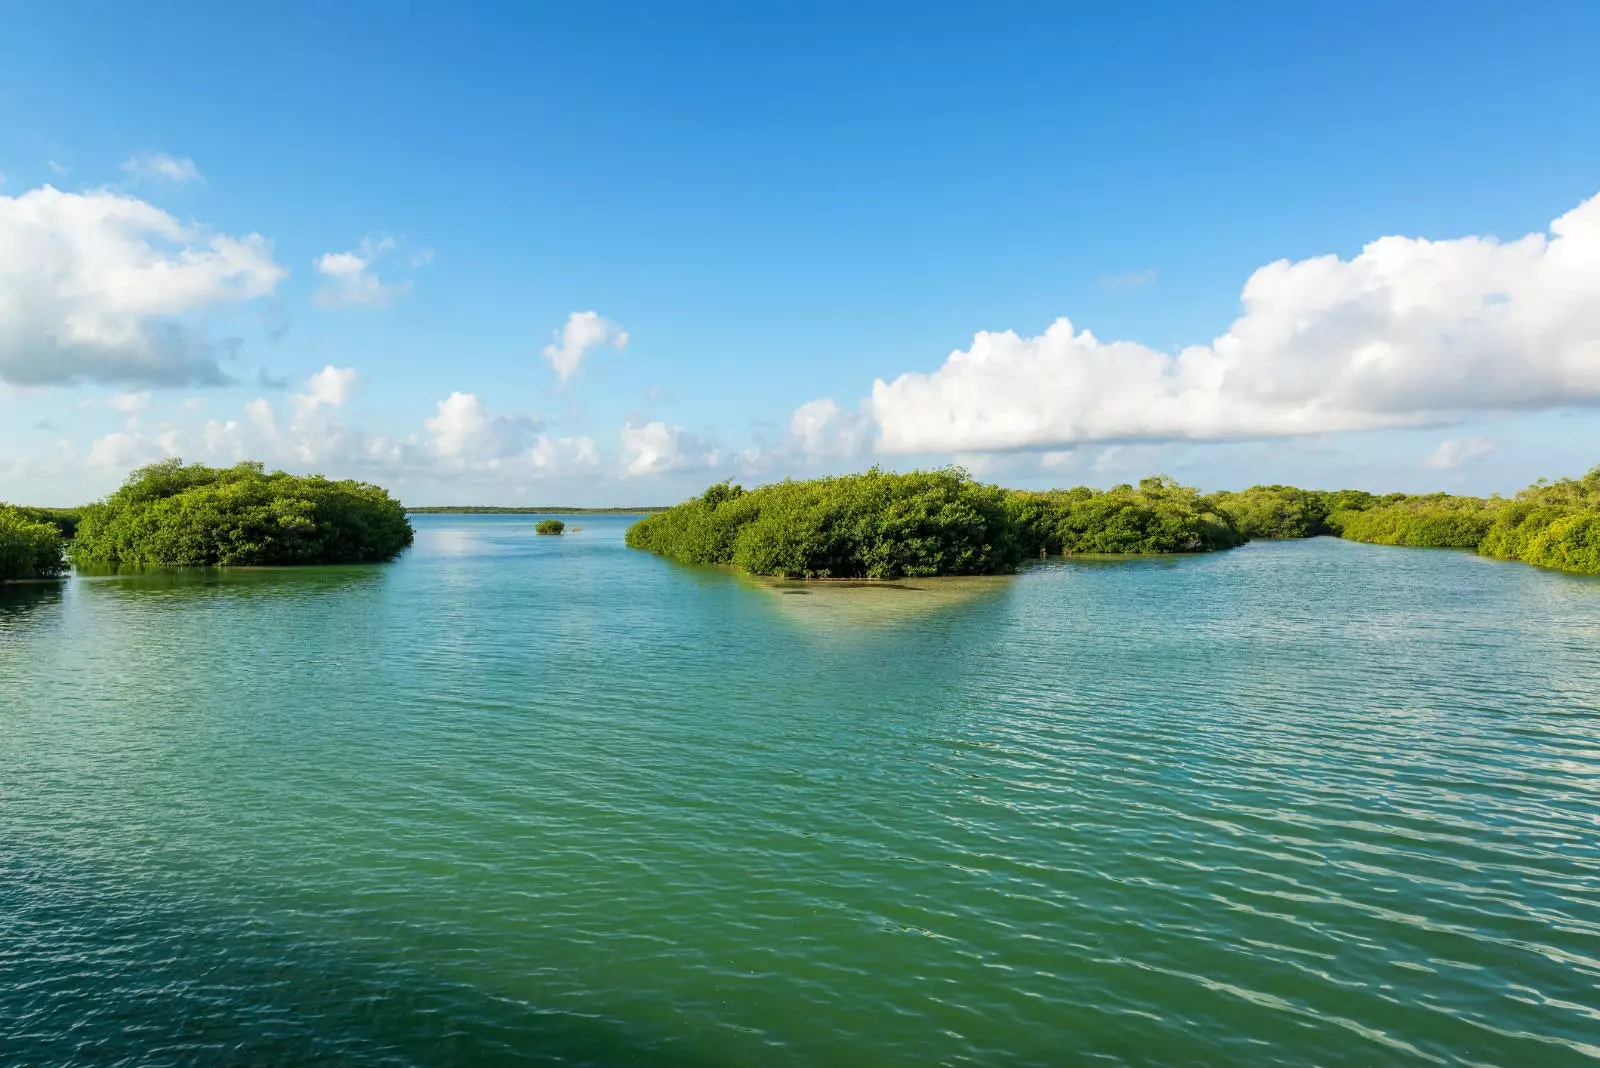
[1280,512]
[873,525]
[173,513]
[29,549]
[64,520]
[1157,516]
[1435,521]
[1551,524]
[549,526]
[885,525]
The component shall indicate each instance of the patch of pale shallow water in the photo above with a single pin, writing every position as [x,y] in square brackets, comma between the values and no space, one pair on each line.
[832,603]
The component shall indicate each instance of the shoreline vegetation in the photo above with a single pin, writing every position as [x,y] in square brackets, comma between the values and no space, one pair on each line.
[869,526]
[882,525]
[178,515]
[473,509]
[32,544]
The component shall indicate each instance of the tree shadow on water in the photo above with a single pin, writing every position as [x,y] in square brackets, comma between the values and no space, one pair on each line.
[26,604]
[235,583]
[221,990]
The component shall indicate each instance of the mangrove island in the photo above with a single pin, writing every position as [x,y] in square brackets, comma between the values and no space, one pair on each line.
[172,513]
[882,525]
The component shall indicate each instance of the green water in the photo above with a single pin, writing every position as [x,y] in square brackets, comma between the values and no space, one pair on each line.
[547,800]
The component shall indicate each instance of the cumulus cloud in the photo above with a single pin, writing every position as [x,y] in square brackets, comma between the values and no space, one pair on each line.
[821,428]
[463,428]
[328,388]
[1409,332]
[1059,460]
[1457,452]
[123,450]
[464,436]
[349,280]
[654,448]
[147,166]
[462,439]
[584,331]
[129,403]
[104,286]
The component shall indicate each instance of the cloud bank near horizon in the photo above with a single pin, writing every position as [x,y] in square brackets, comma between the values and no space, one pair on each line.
[100,287]
[1410,332]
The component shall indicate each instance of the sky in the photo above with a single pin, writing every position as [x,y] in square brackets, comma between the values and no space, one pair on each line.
[607,254]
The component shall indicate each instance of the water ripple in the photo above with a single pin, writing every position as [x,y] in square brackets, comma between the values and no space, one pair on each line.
[535,800]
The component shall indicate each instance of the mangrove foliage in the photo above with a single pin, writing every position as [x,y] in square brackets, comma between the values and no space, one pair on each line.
[549,526]
[30,548]
[172,513]
[925,523]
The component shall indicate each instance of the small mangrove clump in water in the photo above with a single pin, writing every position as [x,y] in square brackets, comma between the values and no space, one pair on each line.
[171,513]
[883,525]
[29,547]
[549,526]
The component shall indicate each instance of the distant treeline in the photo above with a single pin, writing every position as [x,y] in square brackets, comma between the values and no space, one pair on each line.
[884,525]
[473,509]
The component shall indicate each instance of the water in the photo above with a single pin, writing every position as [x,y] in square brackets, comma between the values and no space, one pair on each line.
[547,800]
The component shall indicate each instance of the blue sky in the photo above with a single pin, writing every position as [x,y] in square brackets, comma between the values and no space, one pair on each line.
[780,206]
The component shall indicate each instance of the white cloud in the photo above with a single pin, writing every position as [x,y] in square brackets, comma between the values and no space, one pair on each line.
[584,331]
[1410,332]
[653,448]
[464,436]
[102,286]
[349,280]
[822,428]
[1059,460]
[261,415]
[463,428]
[328,388]
[123,450]
[160,166]
[129,403]
[1459,451]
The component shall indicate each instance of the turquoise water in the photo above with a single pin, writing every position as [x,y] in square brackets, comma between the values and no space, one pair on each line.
[547,800]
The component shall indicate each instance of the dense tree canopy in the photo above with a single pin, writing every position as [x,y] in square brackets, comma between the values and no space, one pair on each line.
[872,525]
[1551,524]
[549,526]
[29,548]
[1435,521]
[189,514]
[885,525]
[63,519]
[1157,516]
